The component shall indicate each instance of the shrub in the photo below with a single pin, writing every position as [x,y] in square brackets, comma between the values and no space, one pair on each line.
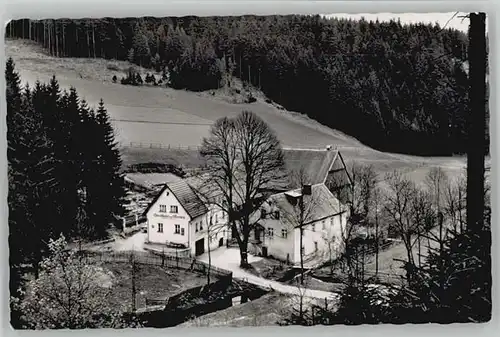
[113,67]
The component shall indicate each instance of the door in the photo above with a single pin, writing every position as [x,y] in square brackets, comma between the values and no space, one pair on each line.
[199,247]
[221,242]
[264,251]
[257,234]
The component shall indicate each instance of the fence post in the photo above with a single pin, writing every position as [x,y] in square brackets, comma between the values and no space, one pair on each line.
[177,257]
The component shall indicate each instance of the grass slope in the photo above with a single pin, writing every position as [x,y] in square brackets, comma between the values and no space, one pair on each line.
[146,118]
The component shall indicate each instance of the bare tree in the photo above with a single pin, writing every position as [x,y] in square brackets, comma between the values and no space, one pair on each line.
[244,157]
[436,181]
[454,203]
[409,210]
[359,198]
[303,213]
[377,235]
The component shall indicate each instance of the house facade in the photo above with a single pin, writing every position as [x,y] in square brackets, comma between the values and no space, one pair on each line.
[325,212]
[279,228]
[178,218]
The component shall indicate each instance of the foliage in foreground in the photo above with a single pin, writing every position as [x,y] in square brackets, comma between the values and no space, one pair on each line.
[63,170]
[69,294]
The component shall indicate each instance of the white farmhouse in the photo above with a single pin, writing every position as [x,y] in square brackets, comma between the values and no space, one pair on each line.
[325,211]
[324,220]
[177,217]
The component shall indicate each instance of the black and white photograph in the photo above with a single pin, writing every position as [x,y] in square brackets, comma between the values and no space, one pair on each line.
[253,170]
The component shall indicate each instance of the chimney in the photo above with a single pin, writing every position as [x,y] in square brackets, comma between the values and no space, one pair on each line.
[306,190]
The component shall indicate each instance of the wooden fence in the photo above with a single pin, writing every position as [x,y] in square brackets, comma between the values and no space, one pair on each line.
[147,145]
[157,259]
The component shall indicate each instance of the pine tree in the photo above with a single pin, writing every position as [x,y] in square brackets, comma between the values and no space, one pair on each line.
[111,185]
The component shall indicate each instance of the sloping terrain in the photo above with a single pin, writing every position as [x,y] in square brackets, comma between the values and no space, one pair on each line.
[148,117]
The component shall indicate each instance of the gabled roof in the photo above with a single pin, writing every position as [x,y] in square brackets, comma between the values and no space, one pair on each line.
[338,180]
[316,164]
[186,196]
[319,205]
[151,180]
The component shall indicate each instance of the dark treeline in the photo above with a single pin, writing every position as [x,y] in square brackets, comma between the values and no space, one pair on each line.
[395,87]
[63,170]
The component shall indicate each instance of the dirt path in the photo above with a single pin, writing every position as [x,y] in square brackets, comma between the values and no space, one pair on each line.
[228,258]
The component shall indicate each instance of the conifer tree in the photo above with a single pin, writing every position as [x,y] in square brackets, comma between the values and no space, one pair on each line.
[111,185]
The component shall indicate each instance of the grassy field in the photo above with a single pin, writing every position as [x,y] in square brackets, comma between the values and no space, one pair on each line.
[163,116]
[151,282]
[265,311]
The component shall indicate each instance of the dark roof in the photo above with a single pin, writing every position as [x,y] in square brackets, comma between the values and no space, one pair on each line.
[186,197]
[338,179]
[315,163]
[322,204]
[151,180]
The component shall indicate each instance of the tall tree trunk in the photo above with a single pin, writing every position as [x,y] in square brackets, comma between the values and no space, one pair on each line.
[57,39]
[477,122]
[93,38]
[88,40]
[301,238]
[208,251]
[376,239]
[64,39]
[77,52]
[49,31]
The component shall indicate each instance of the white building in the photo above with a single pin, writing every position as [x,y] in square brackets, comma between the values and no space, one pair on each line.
[325,211]
[177,217]
[324,220]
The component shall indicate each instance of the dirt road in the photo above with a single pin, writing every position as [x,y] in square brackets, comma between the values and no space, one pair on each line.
[228,258]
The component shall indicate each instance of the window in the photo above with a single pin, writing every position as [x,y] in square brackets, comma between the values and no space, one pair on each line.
[277,215]
[313,227]
[284,233]
[177,229]
[315,246]
[270,233]
[331,222]
[223,215]
[182,231]
[201,225]
[263,213]
[196,227]
[216,218]
[324,224]
[173,209]
[163,208]
[160,228]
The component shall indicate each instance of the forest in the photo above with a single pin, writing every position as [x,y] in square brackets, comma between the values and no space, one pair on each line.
[400,88]
[63,171]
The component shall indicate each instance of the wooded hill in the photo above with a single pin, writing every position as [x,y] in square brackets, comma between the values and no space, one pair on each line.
[395,87]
